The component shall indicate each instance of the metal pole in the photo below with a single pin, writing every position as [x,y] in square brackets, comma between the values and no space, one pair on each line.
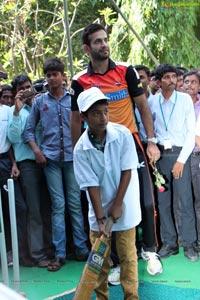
[13,225]
[68,38]
[133,30]
[4,262]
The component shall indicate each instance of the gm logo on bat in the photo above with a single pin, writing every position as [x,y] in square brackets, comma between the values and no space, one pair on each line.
[97,259]
[95,262]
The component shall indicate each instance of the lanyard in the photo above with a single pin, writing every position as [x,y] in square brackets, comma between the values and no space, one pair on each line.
[164,120]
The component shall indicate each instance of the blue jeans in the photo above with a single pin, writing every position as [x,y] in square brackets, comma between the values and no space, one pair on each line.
[64,190]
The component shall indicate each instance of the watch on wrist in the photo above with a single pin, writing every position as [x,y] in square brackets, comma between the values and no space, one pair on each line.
[153,140]
[101,220]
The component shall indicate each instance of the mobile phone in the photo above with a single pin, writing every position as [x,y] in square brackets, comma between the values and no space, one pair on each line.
[28,93]
[3,75]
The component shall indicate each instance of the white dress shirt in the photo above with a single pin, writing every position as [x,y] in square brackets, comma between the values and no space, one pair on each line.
[174,119]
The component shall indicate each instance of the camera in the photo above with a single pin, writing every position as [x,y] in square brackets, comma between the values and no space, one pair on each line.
[28,93]
[39,87]
[3,75]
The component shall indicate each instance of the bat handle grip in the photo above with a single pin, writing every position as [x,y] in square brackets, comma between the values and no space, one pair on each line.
[109,224]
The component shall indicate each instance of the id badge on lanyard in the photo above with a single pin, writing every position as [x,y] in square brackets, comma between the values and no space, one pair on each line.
[167,144]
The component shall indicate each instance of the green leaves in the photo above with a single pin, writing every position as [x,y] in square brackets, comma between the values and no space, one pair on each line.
[33,30]
[168,32]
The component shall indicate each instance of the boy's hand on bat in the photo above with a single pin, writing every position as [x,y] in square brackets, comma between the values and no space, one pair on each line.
[115,212]
[102,228]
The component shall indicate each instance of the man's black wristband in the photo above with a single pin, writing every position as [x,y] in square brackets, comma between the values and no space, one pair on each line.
[101,219]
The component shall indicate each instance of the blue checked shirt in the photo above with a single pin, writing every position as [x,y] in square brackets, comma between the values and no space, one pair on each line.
[54,117]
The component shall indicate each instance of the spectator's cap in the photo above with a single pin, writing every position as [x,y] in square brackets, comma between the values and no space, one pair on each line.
[88,97]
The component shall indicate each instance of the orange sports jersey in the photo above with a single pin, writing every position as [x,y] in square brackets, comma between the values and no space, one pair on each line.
[120,83]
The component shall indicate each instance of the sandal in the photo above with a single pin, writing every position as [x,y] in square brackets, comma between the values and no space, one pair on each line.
[43,263]
[56,264]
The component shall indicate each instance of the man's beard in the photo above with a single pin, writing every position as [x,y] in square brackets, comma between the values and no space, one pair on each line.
[99,56]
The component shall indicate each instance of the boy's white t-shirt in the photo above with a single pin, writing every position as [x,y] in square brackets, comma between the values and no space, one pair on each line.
[96,168]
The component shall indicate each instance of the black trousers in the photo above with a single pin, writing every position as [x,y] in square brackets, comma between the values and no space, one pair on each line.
[20,206]
[182,188]
[37,200]
[147,200]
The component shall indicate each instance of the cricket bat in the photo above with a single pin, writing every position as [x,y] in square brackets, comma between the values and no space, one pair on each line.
[93,265]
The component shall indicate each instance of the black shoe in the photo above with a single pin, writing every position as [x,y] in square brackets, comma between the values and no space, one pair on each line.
[190,253]
[197,247]
[82,257]
[167,250]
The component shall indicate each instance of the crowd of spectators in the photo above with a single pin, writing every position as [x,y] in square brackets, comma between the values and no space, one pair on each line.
[39,126]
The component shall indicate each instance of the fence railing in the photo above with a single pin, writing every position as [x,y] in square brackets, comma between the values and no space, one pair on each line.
[3,251]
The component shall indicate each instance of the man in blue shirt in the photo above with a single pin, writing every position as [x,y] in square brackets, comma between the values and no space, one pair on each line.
[31,174]
[53,110]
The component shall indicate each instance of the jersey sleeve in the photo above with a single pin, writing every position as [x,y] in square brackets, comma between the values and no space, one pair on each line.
[134,84]
[75,90]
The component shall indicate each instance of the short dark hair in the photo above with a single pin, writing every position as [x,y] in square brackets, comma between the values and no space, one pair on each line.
[182,69]
[5,87]
[18,80]
[195,69]
[143,68]
[101,102]
[192,72]
[90,29]
[163,69]
[179,72]
[53,64]
[152,73]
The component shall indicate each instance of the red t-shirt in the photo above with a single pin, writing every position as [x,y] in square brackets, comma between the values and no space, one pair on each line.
[121,83]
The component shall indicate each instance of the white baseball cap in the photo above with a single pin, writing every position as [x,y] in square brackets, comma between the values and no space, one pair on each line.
[88,97]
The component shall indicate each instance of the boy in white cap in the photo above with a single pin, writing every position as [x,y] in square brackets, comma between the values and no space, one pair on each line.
[105,164]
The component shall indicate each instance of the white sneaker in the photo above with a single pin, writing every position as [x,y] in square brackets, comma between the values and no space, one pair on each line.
[154,265]
[114,276]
